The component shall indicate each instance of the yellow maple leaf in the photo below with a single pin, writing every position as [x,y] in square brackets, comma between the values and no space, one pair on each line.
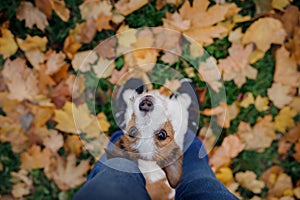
[248,180]
[73,144]
[249,99]
[32,43]
[68,175]
[236,67]
[273,30]
[126,36]
[35,158]
[284,119]
[8,44]
[225,175]
[279,95]
[32,16]
[261,103]
[77,119]
[286,69]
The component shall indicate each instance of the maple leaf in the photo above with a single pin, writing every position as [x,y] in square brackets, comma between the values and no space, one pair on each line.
[31,15]
[61,10]
[208,72]
[296,155]
[282,183]
[77,119]
[279,95]
[225,175]
[260,136]
[35,158]
[261,103]
[83,60]
[202,20]
[170,87]
[225,113]
[273,33]
[117,75]
[249,99]
[21,81]
[8,44]
[22,183]
[175,21]
[53,140]
[293,134]
[68,175]
[54,61]
[73,42]
[104,67]
[144,59]
[284,119]
[286,70]
[248,180]
[73,144]
[229,149]
[44,6]
[236,67]
[125,7]
[32,43]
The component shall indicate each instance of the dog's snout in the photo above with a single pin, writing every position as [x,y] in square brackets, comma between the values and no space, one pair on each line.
[146,104]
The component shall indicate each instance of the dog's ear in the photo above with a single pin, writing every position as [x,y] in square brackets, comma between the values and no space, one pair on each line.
[174,172]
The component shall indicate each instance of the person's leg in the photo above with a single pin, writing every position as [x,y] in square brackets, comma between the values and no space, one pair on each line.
[198,180]
[116,178]
[110,183]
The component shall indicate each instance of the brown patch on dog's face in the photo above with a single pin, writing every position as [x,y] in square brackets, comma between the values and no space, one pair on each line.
[169,155]
[123,147]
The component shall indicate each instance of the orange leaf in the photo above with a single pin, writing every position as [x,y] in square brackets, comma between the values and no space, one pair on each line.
[35,158]
[280,95]
[296,155]
[61,10]
[285,119]
[125,7]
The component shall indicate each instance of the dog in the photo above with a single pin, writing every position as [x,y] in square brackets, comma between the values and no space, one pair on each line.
[155,126]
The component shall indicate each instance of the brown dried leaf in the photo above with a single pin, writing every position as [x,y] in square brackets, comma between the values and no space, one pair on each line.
[61,10]
[125,7]
[296,155]
[273,30]
[279,95]
[68,175]
[35,158]
[21,81]
[31,15]
[248,180]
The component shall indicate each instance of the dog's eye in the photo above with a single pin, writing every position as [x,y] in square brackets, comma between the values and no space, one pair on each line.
[162,134]
[133,131]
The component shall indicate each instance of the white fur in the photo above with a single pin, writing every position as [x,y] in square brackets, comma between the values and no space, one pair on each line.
[151,170]
[165,109]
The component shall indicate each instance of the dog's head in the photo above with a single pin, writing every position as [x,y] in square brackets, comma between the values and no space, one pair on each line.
[155,129]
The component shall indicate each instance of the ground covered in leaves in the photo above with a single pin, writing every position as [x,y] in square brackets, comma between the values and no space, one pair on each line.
[255,45]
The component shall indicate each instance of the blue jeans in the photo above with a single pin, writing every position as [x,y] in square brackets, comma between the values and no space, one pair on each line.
[198,180]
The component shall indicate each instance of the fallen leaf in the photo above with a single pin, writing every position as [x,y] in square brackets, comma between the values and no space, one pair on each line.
[284,119]
[77,119]
[280,4]
[8,45]
[236,36]
[61,10]
[102,22]
[283,147]
[145,59]
[44,6]
[293,134]
[32,43]
[35,158]
[76,85]
[224,174]
[107,49]
[262,7]
[283,182]
[236,67]
[73,42]
[273,30]
[117,75]
[22,183]
[21,81]
[203,19]
[83,60]
[248,99]
[60,94]
[44,80]
[225,113]
[125,7]
[54,61]
[32,16]
[271,174]
[261,103]
[286,70]
[229,149]
[68,175]
[73,144]
[104,67]
[248,180]
[260,136]
[53,140]
[279,95]
[176,22]
[208,72]
[92,9]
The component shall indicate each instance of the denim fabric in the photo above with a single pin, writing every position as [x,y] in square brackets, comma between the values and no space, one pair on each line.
[198,180]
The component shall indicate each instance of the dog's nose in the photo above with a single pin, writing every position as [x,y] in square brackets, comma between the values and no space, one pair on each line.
[146,104]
